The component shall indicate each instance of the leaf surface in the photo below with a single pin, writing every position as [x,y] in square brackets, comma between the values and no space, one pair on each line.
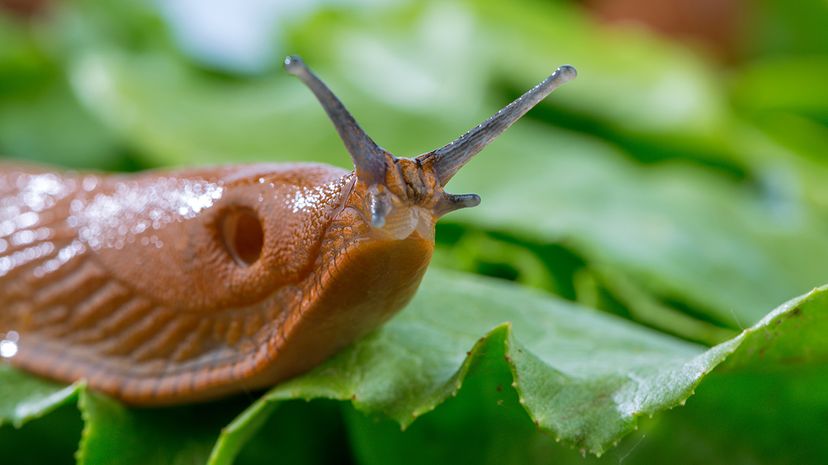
[582,376]
[24,397]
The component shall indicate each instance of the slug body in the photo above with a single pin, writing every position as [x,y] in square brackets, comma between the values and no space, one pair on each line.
[170,287]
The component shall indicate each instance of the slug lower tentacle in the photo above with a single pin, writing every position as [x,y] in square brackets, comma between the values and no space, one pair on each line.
[168,287]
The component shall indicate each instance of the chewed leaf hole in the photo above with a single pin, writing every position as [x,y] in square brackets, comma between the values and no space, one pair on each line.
[243,236]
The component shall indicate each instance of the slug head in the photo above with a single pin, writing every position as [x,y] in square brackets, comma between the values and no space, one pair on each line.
[398,196]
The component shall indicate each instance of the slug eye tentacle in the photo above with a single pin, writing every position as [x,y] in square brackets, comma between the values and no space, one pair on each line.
[372,162]
[447,160]
[369,158]
[451,202]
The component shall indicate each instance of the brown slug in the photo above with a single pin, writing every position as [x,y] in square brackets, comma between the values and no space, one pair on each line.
[169,287]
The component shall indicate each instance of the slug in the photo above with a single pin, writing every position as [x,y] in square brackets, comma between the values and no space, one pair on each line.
[170,287]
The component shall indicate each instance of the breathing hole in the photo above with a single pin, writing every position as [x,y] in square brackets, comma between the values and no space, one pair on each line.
[243,236]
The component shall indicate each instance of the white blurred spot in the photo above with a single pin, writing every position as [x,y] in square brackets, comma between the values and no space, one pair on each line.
[241,35]
[236,35]
[8,345]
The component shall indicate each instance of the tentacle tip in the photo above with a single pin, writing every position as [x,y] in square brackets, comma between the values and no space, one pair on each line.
[452,202]
[470,200]
[294,64]
[567,72]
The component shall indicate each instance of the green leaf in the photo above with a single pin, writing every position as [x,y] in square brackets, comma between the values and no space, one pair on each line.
[304,433]
[483,424]
[60,429]
[24,398]
[36,100]
[75,139]
[583,376]
[759,414]
[744,417]
[788,84]
[178,435]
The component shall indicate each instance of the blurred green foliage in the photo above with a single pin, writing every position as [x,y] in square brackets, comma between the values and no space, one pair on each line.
[682,194]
